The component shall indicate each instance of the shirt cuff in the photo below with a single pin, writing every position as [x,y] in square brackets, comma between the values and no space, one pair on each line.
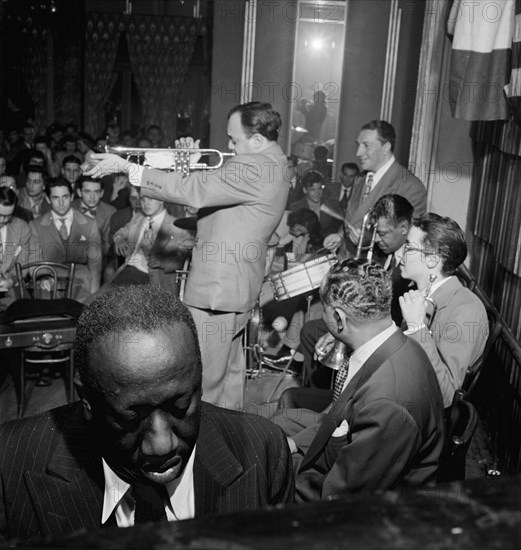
[411,329]
[135,173]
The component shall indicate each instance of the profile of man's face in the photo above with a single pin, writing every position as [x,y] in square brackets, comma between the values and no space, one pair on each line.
[147,409]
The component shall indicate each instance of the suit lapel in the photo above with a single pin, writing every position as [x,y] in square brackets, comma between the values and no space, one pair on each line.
[69,495]
[335,416]
[221,484]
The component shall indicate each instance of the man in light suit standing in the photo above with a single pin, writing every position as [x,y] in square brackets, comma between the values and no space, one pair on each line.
[382,175]
[240,206]
[66,235]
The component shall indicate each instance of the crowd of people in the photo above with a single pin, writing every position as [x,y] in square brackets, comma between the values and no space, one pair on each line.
[161,381]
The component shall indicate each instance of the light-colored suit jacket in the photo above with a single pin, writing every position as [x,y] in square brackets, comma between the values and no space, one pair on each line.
[242,203]
[459,333]
[397,180]
[170,247]
[83,248]
[19,247]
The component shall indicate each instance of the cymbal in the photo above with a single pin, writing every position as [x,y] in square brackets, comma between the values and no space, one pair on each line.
[187,223]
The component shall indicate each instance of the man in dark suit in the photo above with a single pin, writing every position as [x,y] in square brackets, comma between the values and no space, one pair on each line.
[384,426]
[139,446]
[240,205]
[381,175]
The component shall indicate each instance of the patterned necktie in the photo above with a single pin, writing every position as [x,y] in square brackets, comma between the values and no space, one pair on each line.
[340,378]
[148,237]
[368,185]
[36,208]
[63,229]
[149,503]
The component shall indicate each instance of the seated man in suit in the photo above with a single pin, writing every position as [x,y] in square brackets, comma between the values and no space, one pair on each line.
[341,191]
[153,246]
[66,235]
[9,182]
[32,197]
[382,175]
[15,245]
[89,191]
[140,445]
[384,426]
[456,336]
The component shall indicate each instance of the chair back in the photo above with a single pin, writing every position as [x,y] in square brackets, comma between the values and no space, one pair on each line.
[461,421]
[40,269]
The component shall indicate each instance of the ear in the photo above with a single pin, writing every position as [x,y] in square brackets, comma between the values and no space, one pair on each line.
[387,147]
[80,389]
[404,227]
[258,141]
[433,261]
[78,192]
[340,318]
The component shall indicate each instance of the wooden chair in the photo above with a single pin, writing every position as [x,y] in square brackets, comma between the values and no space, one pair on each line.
[49,313]
[461,421]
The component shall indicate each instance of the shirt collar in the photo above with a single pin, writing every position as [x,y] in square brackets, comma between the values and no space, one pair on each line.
[157,218]
[382,170]
[68,217]
[178,490]
[362,354]
[437,284]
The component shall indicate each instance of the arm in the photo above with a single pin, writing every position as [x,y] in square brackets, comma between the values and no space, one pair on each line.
[282,487]
[95,257]
[122,245]
[372,455]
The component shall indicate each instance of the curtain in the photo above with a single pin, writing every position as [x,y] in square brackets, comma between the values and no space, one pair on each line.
[34,68]
[160,51]
[494,216]
[101,45]
[480,67]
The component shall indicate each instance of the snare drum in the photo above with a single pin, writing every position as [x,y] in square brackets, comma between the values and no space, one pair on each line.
[301,278]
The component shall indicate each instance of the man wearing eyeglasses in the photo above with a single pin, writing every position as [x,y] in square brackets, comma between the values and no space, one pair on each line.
[454,336]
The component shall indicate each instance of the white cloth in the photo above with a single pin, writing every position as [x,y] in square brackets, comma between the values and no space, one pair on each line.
[118,498]
[138,258]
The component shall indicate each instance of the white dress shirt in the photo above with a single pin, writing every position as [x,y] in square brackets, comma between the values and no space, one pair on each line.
[118,496]
[69,217]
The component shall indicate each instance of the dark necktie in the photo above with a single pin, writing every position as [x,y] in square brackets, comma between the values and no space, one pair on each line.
[340,378]
[149,503]
[368,185]
[91,212]
[63,229]
[343,200]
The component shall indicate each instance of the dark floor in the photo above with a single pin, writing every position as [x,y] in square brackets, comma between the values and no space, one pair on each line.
[262,390]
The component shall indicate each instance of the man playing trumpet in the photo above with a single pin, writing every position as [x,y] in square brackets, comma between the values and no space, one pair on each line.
[456,335]
[243,202]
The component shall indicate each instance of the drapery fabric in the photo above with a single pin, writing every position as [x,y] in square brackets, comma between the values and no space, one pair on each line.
[495,216]
[480,68]
[102,34]
[160,51]
[513,88]
[34,68]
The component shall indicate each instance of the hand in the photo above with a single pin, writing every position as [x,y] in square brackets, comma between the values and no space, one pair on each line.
[189,143]
[47,284]
[333,241]
[353,233]
[102,164]
[414,308]
[292,445]
[154,262]
[6,282]
[123,248]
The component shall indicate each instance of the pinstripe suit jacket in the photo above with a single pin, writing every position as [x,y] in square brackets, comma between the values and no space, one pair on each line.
[52,478]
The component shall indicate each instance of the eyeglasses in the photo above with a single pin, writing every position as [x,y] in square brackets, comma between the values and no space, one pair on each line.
[412,247]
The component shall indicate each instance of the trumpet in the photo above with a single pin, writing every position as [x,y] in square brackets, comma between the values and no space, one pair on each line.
[176,160]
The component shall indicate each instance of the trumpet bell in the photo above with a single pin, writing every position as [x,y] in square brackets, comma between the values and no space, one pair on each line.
[330,352]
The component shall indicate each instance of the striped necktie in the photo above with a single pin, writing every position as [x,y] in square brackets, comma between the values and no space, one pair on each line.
[368,185]
[340,378]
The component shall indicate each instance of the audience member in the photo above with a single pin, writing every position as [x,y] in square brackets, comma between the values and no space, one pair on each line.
[32,197]
[42,144]
[341,191]
[9,182]
[454,338]
[66,235]
[68,148]
[384,426]
[71,170]
[155,136]
[141,435]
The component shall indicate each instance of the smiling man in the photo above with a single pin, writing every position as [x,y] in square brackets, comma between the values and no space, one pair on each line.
[140,445]
[381,174]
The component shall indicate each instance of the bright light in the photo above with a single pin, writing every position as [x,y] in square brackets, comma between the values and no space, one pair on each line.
[316,44]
